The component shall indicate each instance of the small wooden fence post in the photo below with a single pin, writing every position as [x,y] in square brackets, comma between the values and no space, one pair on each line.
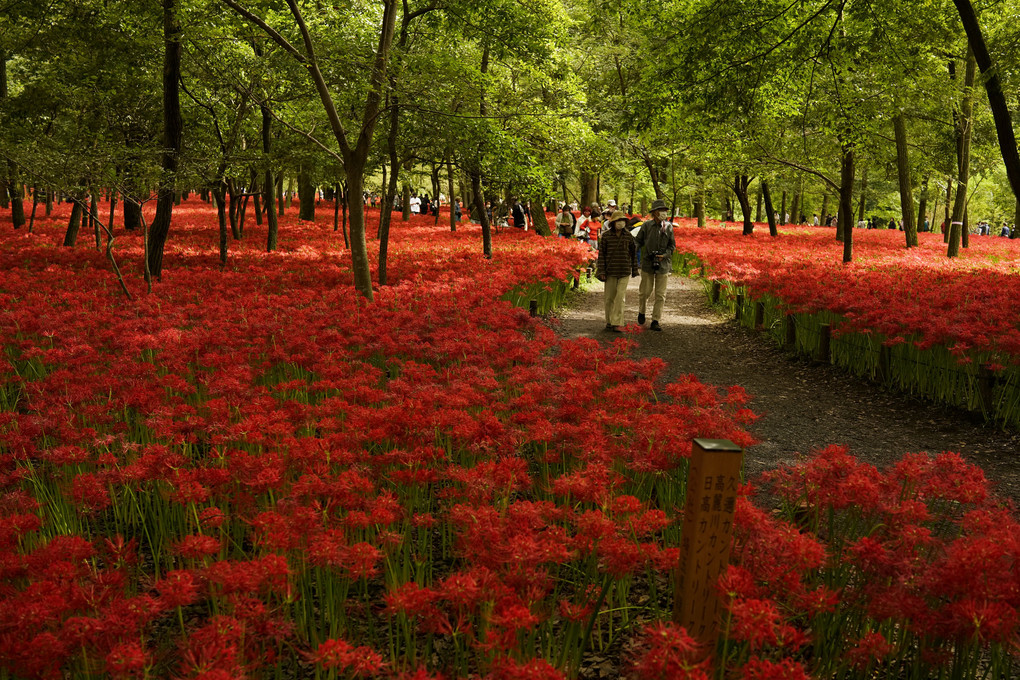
[824,343]
[533,307]
[740,305]
[791,332]
[759,315]
[707,536]
[716,291]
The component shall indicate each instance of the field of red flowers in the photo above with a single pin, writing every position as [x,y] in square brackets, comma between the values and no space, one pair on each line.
[255,473]
[969,304]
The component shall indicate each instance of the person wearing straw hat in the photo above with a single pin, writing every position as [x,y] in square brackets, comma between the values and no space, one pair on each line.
[656,241]
[617,264]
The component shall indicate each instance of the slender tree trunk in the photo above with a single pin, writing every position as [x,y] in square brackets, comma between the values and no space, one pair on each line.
[740,184]
[12,184]
[947,209]
[757,206]
[386,216]
[795,207]
[846,210]
[825,206]
[220,194]
[306,195]
[770,213]
[73,225]
[782,214]
[539,222]
[173,128]
[94,217]
[963,133]
[996,99]
[922,207]
[278,188]
[449,184]
[653,173]
[864,193]
[699,190]
[343,214]
[587,180]
[270,182]
[113,207]
[234,209]
[405,197]
[35,204]
[903,174]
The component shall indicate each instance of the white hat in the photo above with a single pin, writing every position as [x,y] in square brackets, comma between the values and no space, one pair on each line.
[611,203]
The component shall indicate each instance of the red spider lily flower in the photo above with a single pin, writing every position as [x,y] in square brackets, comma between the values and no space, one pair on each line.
[872,647]
[338,654]
[126,660]
[197,546]
[667,652]
[762,669]
[504,668]
[177,588]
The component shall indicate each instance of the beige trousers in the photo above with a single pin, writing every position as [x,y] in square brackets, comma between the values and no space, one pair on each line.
[616,298]
[651,282]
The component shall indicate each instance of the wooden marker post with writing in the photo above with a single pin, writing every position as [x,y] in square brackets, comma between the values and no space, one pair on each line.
[707,535]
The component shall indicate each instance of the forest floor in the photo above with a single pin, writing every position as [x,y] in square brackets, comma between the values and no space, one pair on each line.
[802,405]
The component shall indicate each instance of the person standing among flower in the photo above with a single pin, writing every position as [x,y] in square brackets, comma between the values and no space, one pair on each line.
[616,265]
[656,241]
[582,225]
[565,222]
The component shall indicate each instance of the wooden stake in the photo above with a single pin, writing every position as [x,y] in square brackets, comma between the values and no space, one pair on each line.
[824,343]
[533,307]
[740,305]
[759,315]
[707,536]
[716,291]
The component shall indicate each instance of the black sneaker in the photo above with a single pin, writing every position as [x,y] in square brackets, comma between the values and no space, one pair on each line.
[610,327]
[655,326]
[641,319]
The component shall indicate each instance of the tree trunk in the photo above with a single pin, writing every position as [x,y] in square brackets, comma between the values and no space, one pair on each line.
[740,184]
[306,195]
[947,210]
[270,181]
[449,183]
[220,194]
[757,206]
[17,190]
[405,198]
[963,136]
[862,208]
[795,208]
[73,225]
[996,99]
[355,172]
[173,128]
[922,208]
[699,204]
[587,188]
[483,216]
[654,174]
[846,210]
[94,218]
[386,215]
[903,174]
[782,211]
[35,204]
[280,209]
[770,213]
[825,206]
[538,219]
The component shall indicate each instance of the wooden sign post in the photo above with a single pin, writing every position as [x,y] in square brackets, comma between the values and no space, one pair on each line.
[709,508]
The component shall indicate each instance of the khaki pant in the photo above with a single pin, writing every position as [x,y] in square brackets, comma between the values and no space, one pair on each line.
[616,297]
[651,281]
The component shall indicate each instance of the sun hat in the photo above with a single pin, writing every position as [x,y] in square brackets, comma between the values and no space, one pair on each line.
[618,215]
[611,203]
[659,204]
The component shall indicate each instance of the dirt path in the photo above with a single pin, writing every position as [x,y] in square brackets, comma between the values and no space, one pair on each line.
[802,406]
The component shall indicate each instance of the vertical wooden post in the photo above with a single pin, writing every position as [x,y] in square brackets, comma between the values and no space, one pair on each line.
[716,290]
[707,536]
[577,281]
[884,363]
[824,343]
[759,314]
[533,307]
[740,305]
[791,332]
[986,384]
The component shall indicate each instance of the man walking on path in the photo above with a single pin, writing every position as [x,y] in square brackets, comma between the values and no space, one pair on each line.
[655,239]
[617,264]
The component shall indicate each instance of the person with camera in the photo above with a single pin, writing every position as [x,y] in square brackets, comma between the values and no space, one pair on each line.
[656,241]
[617,264]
